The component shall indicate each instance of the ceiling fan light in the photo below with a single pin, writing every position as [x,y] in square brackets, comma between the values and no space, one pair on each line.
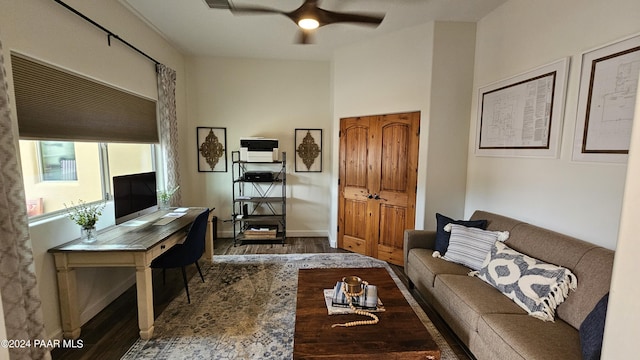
[308,23]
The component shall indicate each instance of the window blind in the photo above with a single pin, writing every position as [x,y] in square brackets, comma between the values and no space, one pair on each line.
[58,105]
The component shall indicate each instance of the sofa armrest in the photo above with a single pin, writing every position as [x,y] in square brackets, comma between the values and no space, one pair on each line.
[425,239]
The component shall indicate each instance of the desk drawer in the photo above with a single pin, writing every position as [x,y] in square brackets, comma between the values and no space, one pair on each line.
[167,244]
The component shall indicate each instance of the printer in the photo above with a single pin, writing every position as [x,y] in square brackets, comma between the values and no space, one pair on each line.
[258,149]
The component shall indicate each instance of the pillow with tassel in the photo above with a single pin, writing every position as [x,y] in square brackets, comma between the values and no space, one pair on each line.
[534,285]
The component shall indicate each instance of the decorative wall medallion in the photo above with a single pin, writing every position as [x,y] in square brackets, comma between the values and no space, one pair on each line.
[212,149]
[308,150]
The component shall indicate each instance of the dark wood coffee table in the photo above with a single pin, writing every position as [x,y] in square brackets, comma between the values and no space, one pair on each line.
[399,335]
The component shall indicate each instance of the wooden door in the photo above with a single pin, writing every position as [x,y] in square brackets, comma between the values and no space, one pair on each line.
[377,183]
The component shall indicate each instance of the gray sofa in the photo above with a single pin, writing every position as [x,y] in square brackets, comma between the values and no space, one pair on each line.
[486,321]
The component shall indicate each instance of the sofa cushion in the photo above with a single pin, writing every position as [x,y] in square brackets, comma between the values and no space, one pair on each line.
[590,263]
[592,330]
[594,273]
[496,222]
[470,246]
[534,285]
[548,246]
[466,298]
[442,237]
[429,267]
[513,336]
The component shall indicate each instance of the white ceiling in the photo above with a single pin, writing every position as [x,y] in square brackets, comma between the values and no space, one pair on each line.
[195,29]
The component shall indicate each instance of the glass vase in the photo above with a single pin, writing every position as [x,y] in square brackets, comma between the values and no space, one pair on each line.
[88,234]
[164,204]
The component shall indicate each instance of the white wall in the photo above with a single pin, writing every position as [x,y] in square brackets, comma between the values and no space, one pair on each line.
[269,98]
[47,31]
[576,198]
[623,315]
[427,68]
[389,74]
[452,80]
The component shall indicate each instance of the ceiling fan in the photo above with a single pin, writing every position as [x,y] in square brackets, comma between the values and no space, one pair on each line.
[309,16]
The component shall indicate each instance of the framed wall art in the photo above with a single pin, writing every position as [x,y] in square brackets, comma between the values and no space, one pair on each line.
[212,149]
[522,115]
[606,102]
[308,144]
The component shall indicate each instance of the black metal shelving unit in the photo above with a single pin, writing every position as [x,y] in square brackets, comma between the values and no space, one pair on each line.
[259,204]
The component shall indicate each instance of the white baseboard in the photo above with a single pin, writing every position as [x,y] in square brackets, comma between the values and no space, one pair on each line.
[307,233]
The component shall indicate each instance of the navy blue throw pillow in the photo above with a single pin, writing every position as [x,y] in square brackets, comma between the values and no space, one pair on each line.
[592,330]
[442,237]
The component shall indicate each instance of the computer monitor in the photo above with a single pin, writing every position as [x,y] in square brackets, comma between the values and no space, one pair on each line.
[134,195]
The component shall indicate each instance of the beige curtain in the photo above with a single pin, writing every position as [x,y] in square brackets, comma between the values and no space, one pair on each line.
[168,124]
[20,297]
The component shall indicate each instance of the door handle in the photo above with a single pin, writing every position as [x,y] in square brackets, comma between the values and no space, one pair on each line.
[374,197]
[377,197]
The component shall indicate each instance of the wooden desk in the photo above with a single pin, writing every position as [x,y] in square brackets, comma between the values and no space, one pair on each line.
[134,243]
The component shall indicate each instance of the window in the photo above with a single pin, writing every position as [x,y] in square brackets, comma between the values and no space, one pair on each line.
[60,172]
[76,133]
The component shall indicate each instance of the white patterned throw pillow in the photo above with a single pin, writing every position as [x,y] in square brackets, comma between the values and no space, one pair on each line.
[534,285]
[469,246]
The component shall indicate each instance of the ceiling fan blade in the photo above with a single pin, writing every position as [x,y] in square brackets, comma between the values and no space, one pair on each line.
[240,10]
[330,17]
[218,4]
[308,10]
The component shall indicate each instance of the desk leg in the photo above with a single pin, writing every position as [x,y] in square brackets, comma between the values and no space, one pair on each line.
[67,292]
[209,236]
[144,289]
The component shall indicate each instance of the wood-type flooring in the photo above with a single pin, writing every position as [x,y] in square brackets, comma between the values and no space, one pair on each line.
[115,329]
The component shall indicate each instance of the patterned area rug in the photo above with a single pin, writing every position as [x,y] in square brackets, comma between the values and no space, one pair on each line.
[246,309]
